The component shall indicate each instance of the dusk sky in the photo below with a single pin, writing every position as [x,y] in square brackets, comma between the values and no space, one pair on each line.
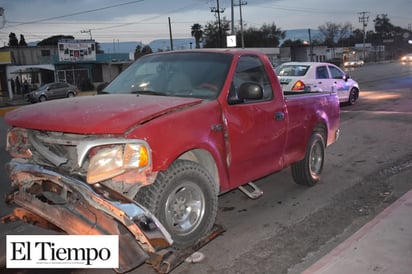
[147,20]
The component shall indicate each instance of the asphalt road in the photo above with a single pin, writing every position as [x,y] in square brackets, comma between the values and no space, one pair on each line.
[292,226]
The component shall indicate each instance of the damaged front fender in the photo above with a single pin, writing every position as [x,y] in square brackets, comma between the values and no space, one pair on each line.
[81,209]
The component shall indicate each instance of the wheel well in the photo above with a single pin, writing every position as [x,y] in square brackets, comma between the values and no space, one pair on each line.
[357,92]
[205,159]
[321,128]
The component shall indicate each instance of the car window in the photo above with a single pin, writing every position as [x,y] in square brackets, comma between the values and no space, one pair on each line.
[292,70]
[322,72]
[250,69]
[336,73]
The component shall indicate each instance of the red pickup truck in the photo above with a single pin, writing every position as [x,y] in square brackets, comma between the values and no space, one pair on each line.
[148,158]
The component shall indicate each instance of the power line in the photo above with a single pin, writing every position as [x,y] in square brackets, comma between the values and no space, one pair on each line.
[78,13]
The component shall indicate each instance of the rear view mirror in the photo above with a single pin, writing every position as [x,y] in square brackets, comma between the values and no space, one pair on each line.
[250,91]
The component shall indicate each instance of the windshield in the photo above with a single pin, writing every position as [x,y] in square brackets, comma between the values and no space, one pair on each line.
[292,70]
[184,74]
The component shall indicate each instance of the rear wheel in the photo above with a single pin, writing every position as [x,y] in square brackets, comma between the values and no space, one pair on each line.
[70,94]
[42,98]
[184,199]
[307,171]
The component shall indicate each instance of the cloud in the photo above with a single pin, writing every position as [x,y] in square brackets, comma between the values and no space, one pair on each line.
[146,20]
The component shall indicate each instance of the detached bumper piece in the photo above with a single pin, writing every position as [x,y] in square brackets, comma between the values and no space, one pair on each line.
[64,204]
[77,208]
[168,259]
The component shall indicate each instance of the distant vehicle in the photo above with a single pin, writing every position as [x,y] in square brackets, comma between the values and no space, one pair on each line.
[54,90]
[353,63]
[407,58]
[314,76]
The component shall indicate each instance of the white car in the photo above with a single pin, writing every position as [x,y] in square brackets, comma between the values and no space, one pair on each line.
[317,77]
[407,58]
[353,63]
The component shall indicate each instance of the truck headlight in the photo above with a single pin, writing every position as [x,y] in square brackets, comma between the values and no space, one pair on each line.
[17,143]
[113,160]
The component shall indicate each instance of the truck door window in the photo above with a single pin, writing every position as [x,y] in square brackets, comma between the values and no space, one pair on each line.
[250,69]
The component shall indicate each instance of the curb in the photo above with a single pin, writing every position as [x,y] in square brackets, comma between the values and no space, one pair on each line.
[4,110]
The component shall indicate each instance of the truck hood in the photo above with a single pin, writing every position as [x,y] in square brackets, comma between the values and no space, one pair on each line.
[102,114]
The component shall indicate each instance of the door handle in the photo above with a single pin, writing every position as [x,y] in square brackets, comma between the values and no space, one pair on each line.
[279,116]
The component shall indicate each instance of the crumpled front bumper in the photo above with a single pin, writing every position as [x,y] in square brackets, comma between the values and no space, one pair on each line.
[81,209]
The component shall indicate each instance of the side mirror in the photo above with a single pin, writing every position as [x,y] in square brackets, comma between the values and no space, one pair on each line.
[346,77]
[250,91]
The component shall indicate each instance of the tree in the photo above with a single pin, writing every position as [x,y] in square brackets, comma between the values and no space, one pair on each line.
[13,42]
[140,51]
[211,35]
[265,36]
[333,32]
[197,33]
[383,26]
[53,40]
[98,48]
[22,42]
[356,37]
[293,43]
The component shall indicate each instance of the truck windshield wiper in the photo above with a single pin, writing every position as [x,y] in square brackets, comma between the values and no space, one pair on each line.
[149,92]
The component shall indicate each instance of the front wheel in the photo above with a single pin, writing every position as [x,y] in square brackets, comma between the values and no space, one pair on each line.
[353,95]
[307,171]
[184,199]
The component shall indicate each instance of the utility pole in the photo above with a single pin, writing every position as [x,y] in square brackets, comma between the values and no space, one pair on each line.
[232,17]
[241,3]
[364,20]
[89,31]
[310,46]
[218,10]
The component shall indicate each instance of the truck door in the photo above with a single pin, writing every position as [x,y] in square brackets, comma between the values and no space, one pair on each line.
[256,129]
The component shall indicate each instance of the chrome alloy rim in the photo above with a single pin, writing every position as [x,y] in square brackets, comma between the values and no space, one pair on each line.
[185,208]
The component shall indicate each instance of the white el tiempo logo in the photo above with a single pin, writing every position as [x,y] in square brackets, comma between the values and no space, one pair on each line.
[62,251]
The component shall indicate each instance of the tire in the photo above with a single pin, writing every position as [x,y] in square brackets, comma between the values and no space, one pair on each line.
[307,171]
[352,97]
[184,199]
[42,98]
[70,94]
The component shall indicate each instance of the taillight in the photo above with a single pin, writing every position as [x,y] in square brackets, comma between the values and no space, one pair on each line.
[299,86]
